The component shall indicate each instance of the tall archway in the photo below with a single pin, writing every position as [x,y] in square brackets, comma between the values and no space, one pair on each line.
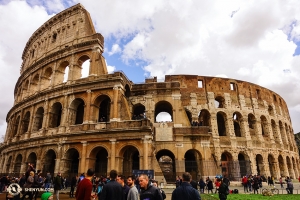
[25,122]
[16,126]
[192,163]
[264,125]
[204,117]
[55,115]
[166,161]
[84,62]
[32,158]
[131,160]
[127,91]
[18,163]
[102,103]
[260,165]
[38,119]
[226,164]
[219,102]
[272,165]
[290,167]
[244,165]
[281,165]
[76,111]
[49,162]
[221,118]
[163,108]
[237,123]
[72,161]
[100,155]
[251,124]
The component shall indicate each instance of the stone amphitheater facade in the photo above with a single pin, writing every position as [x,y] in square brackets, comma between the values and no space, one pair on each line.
[105,121]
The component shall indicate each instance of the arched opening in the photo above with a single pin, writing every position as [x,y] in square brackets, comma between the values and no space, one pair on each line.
[102,103]
[127,91]
[38,119]
[25,122]
[101,156]
[221,118]
[219,102]
[55,115]
[16,126]
[245,167]
[264,125]
[251,124]
[204,118]
[47,78]
[163,112]
[192,163]
[131,160]
[274,131]
[237,122]
[18,163]
[72,161]
[260,164]
[85,67]
[290,167]
[66,74]
[76,111]
[282,133]
[281,165]
[34,83]
[49,165]
[139,112]
[226,165]
[166,161]
[270,110]
[62,72]
[32,158]
[272,165]
[25,89]
[8,164]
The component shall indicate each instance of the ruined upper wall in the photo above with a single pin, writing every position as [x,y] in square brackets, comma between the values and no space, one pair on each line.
[71,24]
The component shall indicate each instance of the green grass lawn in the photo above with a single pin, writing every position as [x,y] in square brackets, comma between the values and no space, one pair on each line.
[251,197]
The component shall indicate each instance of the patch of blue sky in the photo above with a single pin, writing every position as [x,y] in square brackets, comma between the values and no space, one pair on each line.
[289,32]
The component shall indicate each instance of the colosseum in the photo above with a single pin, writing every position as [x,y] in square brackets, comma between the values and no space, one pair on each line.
[64,122]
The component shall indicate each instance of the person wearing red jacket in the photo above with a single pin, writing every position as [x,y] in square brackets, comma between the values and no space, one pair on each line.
[85,187]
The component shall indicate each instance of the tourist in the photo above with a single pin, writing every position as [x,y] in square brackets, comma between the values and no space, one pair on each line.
[290,187]
[28,185]
[73,185]
[155,184]
[223,190]
[125,188]
[133,193]
[112,190]
[201,185]
[57,185]
[85,187]
[148,192]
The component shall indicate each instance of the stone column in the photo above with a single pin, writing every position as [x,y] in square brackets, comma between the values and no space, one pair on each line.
[83,157]
[113,154]
[87,109]
[147,139]
[115,103]
[58,159]
[64,117]
[46,114]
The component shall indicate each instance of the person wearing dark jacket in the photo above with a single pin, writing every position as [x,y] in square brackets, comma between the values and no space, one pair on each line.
[148,192]
[185,190]
[223,190]
[57,185]
[112,190]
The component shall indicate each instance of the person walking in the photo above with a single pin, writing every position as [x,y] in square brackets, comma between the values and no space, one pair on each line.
[148,191]
[185,190]
[85,187]
[125,188]
[73,185]
[112,190]
[57,185]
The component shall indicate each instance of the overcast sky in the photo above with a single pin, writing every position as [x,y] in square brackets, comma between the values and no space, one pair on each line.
[255,41]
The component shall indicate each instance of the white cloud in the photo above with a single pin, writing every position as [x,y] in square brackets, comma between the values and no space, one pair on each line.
[115,49]
[111,69]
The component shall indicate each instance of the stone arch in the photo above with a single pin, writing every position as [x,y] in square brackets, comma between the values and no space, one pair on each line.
[25,88]
[264,125]
[282,133]
[25,122]
[227,164]
[290,167]
[163,108]
[204,118]
[271,110]
[275,132]
[47,78]
[219,102]
[71,159]
[272,165]
[84,63]
[18,164]
[127,91]
[34,84]
[244,164]
[252,124]
[130,159]
[281,166]
[76,111]
[8,164]
[102,104]
[192,159]
[138,111]
[32,158]
[100,156]
[49,161]
[166,161]
[55,115]
[221,119]
[237,124]
[16,126]
[295,167]
[61,71]
[38,119]
[260,167]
